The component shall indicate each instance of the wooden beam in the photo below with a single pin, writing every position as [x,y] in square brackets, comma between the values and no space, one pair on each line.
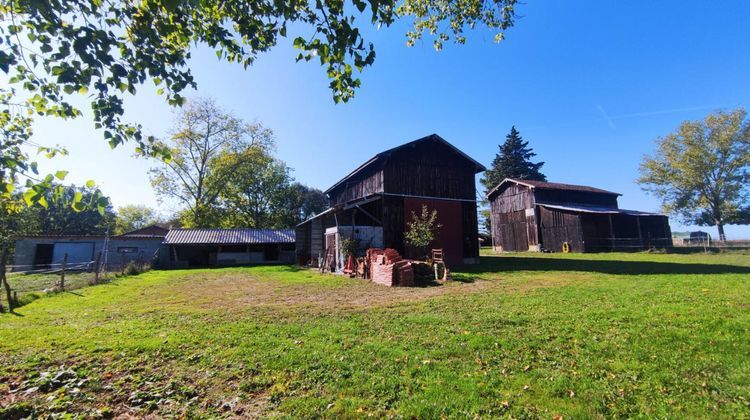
[367,213]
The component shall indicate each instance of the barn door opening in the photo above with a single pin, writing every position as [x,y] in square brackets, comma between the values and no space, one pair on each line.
[271,252]
[43,255]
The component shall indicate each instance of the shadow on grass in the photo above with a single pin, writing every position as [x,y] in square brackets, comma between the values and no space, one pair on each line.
[510,263]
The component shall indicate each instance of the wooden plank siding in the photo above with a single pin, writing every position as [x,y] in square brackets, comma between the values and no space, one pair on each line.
[588,219]
[363,184]
[430,170]
[469,228]
[558,227]
[510,231]
[384,190]
[514,228]
[393,223]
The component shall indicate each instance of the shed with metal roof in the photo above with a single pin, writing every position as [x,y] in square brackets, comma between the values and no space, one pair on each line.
[222,247]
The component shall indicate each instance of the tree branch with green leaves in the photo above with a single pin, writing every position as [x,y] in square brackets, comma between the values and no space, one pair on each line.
[53,51]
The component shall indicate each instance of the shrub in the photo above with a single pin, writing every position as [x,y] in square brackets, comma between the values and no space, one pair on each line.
[134,268]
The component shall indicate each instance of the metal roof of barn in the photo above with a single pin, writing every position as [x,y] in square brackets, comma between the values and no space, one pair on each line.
[598,210]
[228,236]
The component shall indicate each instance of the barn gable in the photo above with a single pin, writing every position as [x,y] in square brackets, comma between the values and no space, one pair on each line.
[429,166]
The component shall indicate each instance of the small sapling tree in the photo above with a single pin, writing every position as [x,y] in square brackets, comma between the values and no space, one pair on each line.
[423,229]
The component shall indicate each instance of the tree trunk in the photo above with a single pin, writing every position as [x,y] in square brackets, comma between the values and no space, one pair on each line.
[720,226]
[4,281]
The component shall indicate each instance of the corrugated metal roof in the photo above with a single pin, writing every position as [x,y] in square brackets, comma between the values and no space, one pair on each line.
[598,210]
[228,236]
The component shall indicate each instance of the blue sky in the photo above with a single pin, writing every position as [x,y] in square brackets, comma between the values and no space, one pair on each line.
[590,84]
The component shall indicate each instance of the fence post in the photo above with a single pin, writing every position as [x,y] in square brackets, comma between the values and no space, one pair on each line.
[62,272]
[97,262]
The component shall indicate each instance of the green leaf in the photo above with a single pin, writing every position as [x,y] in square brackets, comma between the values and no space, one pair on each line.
[90,183]
[101,205]
[61,175]
[28,197]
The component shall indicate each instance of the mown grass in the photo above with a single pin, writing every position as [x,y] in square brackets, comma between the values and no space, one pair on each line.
[26,283]
[522,335]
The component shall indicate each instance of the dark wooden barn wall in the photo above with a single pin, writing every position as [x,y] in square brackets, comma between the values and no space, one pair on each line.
[470,230]
[425,169]
[656,231]
[575,197]
[430,169]
[363,184]
[558,226]
[393,223]
[627,232]
[514,228]
[302,241]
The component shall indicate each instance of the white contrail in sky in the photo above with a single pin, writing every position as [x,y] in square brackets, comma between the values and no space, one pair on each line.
[611,119]
[606,117]
[662,112]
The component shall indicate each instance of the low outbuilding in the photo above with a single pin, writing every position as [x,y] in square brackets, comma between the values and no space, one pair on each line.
[185,248]
[37,252]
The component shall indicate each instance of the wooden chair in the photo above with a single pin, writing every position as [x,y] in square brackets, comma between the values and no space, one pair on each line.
[438,259]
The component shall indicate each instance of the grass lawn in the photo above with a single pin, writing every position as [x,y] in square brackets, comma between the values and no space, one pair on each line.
[522,335]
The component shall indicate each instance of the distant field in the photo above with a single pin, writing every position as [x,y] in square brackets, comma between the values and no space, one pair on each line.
[521,335]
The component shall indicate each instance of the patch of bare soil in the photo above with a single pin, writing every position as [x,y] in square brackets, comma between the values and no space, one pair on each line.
[236,291]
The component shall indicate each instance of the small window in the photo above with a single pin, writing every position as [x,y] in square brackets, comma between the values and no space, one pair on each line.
[127,249]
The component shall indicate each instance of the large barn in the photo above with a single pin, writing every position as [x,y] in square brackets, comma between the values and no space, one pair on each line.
[374,203]
[534,215]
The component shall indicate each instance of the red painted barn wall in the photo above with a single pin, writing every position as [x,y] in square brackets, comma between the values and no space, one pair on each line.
[450,235]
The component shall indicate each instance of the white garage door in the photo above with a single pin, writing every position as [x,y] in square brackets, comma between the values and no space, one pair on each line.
[78,252]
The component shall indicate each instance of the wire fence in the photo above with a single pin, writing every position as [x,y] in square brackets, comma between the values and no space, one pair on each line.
[28,282]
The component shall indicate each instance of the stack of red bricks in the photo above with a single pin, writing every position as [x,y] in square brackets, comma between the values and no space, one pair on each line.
[388,268]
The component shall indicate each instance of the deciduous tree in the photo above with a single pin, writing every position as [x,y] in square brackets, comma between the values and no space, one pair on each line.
[299,203]
[207,147]
[701,172]
[254,194]
[131,217]
[261,193]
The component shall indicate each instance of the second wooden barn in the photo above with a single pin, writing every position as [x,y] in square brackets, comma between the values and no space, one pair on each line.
[374,203]
[533,215]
